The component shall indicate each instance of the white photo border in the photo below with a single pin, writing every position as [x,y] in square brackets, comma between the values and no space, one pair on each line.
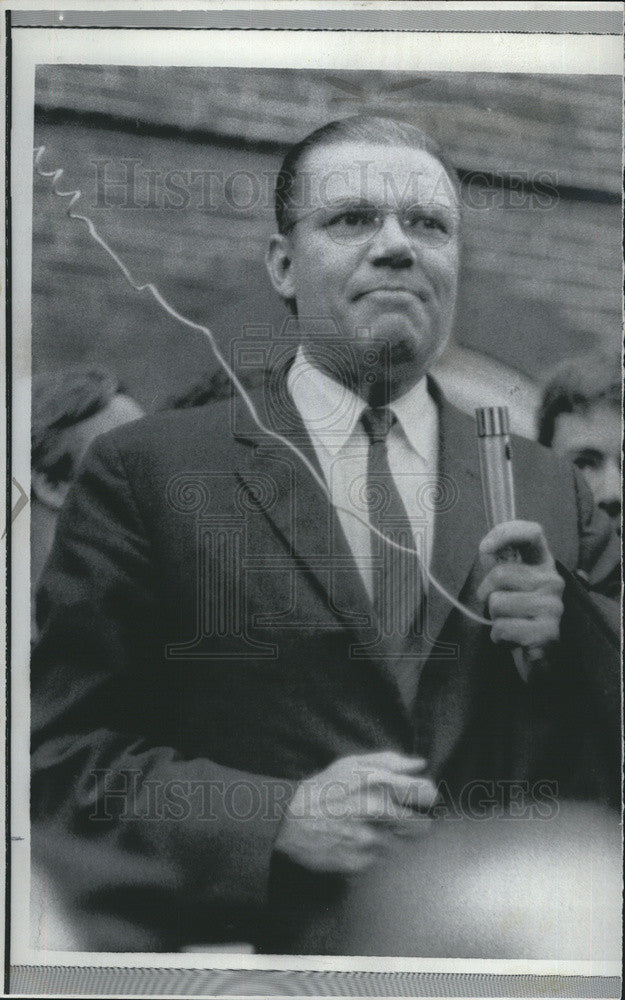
[371,48]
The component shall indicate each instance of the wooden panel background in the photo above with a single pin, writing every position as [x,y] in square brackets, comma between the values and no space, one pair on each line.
[542,247]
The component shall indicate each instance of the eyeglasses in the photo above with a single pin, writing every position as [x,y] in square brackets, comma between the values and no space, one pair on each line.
[357,223]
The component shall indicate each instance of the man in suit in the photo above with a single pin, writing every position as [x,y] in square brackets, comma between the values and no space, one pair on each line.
[246,666]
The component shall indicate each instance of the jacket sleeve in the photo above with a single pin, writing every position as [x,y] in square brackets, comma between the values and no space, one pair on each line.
[591,630]
[149,847]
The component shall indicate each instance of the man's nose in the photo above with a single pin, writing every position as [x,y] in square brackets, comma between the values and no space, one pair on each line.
[607,486]
[391,246]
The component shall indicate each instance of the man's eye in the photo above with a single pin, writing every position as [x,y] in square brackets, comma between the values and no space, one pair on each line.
[352,219]
[586,461]
[430,223]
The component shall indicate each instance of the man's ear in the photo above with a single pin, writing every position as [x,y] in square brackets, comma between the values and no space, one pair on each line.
[47,492]
[279,262]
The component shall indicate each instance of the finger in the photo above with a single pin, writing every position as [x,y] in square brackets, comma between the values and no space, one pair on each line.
[519,576]
[389,798]
[514,533]
[526,632]
[405,823]
[515,604]
[370,804]
[364,840]
[419,794]
[388,762]
[400,763]
[392,759]
[357,856]
[354,835]
[357,770]
[413,793]
[367,779]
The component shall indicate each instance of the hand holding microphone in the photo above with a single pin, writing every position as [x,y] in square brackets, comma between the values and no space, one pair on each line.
[522,588]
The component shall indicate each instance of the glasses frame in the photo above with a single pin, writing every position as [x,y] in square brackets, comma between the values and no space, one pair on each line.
[382,213]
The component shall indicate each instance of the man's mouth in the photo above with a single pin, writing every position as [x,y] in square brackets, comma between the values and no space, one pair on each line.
[390,290]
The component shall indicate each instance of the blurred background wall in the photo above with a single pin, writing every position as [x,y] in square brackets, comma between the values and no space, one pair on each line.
[194,153]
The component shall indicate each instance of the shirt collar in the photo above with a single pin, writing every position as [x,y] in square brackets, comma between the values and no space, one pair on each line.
[417,415]
[331,411]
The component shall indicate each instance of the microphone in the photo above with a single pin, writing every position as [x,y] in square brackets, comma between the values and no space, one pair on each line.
[495,453]
[493,442]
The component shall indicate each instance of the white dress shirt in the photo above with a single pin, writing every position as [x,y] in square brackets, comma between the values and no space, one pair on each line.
[331,415]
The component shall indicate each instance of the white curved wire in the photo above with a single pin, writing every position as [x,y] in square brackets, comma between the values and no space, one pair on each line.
[153,290]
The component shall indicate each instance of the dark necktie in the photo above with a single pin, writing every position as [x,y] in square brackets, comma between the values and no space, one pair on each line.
[398,586]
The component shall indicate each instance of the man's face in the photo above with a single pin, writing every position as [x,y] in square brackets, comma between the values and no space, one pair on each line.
[592,440]
[375,254]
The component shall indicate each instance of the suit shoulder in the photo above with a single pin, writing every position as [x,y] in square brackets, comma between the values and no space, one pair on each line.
[175,432]
[543,459]
[529,458]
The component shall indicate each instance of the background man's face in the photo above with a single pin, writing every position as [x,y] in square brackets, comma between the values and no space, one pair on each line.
[398,286]
[592,440]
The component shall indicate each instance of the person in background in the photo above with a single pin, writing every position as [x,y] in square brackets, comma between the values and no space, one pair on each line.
[580,418]
[69,410]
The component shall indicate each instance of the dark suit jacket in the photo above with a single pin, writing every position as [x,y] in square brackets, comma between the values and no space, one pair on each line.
[206,642]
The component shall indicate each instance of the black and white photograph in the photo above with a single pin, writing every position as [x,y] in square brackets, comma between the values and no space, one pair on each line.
[321,393]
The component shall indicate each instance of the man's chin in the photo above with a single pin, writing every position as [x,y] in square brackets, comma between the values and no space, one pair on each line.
[399,325]
[394,370]
[407,348]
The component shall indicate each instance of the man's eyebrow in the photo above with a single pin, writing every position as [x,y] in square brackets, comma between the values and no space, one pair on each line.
[357,201]
[582,451]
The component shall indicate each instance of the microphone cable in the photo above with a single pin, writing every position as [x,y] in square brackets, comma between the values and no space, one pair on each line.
[74,196]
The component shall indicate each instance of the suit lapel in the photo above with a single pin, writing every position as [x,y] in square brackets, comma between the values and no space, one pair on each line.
[304,520]
[460,522]
[300,512]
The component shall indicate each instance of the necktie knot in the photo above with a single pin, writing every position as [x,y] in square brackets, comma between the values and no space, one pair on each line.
[377,422]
